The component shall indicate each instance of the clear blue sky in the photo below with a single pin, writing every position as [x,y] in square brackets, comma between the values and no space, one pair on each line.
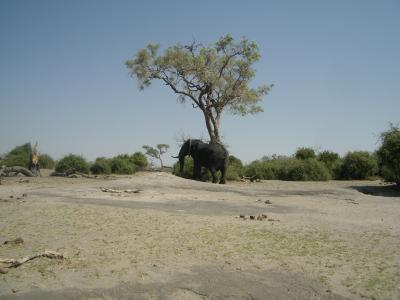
[335,66]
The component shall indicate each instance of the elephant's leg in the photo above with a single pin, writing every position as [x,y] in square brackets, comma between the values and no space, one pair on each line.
[222,180]
[214,175]
[197,171]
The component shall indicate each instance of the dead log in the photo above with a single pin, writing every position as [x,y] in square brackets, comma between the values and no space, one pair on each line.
[129,191]
[12,171]
[15,241]
[14,263]
[71,173]
[250,178]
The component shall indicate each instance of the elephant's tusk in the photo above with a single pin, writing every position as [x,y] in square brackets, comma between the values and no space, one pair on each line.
[174,156]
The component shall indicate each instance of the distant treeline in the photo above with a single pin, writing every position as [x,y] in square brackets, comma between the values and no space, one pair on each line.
[304,165]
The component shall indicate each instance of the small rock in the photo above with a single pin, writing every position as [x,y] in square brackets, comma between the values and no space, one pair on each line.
[11,196]
[267,202]
[252,217]
[242,216]
[3,270]
[14,291]
[24,195]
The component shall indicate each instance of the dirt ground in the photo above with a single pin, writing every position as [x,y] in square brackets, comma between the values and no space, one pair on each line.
[181,239]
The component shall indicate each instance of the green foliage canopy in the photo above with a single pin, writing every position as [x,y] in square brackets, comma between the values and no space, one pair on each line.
[389,155]
[156,153]
[212,77]
[358,165]
[305,153]
[332,161]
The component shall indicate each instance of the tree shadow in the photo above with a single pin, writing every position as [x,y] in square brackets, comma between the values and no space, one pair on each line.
[391,190]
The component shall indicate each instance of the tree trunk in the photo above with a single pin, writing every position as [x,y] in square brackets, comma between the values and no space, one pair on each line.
[212,128]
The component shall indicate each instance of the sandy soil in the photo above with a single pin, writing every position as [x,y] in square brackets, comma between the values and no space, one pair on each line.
[183,239]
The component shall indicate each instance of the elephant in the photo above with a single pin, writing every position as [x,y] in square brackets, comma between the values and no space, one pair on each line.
[211,155]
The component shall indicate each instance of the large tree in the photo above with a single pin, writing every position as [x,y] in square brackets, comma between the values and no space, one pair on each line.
[214,77]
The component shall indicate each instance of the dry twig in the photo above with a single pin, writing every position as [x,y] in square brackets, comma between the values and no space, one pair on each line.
[14,263]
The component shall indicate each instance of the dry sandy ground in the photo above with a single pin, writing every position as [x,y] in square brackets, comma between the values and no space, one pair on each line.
[182,239]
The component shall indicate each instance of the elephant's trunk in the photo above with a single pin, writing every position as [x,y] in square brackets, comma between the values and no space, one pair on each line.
[185,150]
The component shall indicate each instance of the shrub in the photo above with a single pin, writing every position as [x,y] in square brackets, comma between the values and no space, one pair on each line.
[307,170]
[140,160]
[72,162]
[332,161]
[122,164]
[358,165]
[188,170]
[46,161]
[288,169]
[265,169]
[19,156]
[305,153]
[235,168]
[101,166]
[389,155]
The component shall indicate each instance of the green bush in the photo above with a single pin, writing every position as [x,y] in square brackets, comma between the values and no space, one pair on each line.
[19,156]
[101,166]
[332,161]
[140,161]
[46,161]
[235,168]
[292,169]
[305,153]
[265,169]
[72,162]
[188,170]
[122,164]
[358,165]
[307,170]
[389,155]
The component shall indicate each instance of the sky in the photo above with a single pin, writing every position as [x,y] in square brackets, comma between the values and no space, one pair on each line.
[335,66]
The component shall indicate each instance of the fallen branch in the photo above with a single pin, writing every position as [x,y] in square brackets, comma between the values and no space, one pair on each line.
[129,191]
[71,173]
[13,171]
[14,263]
[251,179]
[14,242]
